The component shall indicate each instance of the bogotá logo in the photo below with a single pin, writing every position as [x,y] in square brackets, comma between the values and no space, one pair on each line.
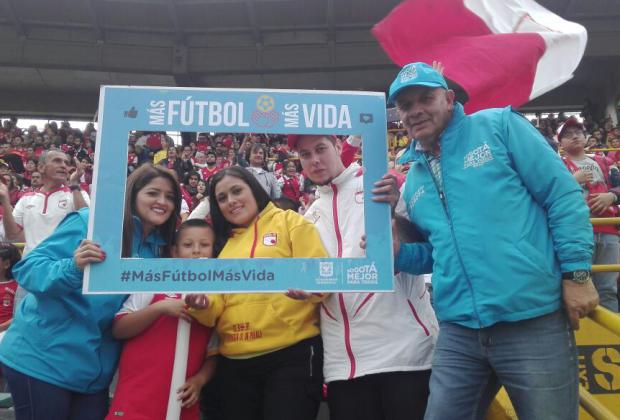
[265,115]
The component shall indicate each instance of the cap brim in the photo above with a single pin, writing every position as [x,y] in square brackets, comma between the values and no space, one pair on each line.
[392,98]
[571,122]
[292,139]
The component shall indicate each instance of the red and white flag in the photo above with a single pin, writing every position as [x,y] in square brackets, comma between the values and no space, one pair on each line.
[501,52]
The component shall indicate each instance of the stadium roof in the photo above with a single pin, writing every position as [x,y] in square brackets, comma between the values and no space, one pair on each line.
[56,53]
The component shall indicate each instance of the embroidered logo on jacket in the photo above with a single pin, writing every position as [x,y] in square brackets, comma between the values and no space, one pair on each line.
[478,157]
[416,196]
[270,239]
[315,216]
[359,197]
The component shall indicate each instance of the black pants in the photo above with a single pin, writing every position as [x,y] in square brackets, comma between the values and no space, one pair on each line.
[282,385]
[211,398]
[382,396]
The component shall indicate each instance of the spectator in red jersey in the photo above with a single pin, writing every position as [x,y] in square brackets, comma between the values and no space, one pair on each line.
[211,168]
[18,146]
[593,176]
[14,193]
[30,167]
[148,320]
[30,154]
[9,256]
[291,182]
[614,155]
[132,158]
[38,146]
[203,143]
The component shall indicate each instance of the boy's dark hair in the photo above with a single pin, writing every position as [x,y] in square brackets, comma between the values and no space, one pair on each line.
[286,203]
[192,223]
[8,251]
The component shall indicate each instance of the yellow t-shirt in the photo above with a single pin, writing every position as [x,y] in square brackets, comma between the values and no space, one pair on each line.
[257,323]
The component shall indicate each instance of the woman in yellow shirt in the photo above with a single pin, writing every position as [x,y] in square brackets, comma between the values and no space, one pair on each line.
[271,364]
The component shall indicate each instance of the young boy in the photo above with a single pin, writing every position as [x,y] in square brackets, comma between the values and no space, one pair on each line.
[593,176]
[149,324]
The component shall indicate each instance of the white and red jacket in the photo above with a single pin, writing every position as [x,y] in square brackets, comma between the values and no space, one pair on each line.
[39,212]
[366,333]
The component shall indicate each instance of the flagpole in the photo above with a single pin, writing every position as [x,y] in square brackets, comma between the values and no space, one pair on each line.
[179,370]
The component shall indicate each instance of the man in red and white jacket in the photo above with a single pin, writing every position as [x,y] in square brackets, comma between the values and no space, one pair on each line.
[377,347]
[592,173]
[37,213]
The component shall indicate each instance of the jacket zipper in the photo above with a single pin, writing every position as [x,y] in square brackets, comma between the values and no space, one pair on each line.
[253,249]
[311,357]
[343,309]
[335,216]
[347,335]
[444,203]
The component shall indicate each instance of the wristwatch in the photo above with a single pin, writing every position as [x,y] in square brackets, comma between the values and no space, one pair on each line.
[75,187]
[578,276]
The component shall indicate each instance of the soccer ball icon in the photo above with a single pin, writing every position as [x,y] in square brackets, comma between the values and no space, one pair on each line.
[265,103]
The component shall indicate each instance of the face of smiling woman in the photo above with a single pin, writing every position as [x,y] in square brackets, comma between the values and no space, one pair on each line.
[155,204]
[236,201]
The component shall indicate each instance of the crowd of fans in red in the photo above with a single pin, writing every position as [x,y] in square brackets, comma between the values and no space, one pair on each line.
[201,155]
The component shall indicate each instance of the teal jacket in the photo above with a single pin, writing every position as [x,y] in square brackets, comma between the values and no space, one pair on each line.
[510,220]
[59,335]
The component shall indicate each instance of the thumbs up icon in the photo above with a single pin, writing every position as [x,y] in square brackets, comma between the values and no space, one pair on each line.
[132,113]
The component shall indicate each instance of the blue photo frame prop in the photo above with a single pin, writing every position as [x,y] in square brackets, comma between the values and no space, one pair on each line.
[126,108]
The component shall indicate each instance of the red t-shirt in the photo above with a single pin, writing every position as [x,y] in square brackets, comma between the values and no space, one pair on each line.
[145,368]
[208,173]
[220,163]
[7,293]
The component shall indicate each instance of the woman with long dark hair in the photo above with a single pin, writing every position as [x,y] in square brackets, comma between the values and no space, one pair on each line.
[59,354]
[271,364]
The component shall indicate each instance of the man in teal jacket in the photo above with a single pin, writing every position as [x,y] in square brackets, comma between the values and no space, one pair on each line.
[511,242]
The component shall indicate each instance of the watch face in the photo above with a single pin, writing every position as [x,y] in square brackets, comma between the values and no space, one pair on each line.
[581,276]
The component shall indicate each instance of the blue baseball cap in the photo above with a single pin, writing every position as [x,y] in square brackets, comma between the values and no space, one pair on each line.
[415,74]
